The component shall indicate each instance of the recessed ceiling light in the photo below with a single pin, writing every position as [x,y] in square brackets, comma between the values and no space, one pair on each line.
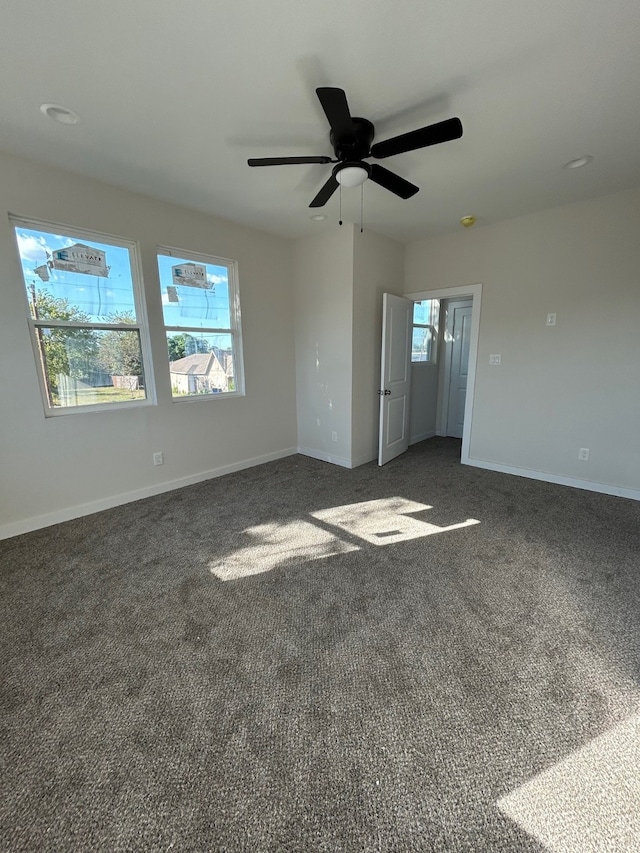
[318,217]
[578,162]
[60,114]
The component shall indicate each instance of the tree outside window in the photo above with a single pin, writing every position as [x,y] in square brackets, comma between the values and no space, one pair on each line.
[84,313]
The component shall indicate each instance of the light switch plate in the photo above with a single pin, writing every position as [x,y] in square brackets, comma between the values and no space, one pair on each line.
[551,319]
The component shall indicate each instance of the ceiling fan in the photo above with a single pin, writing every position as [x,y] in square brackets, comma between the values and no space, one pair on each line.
[351,140]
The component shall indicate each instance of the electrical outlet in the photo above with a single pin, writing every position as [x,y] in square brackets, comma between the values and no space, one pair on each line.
[551,319]
[583,454]
[334,436]
[495,359]
[158,458]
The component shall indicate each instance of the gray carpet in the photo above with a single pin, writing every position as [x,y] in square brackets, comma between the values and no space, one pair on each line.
[298,657]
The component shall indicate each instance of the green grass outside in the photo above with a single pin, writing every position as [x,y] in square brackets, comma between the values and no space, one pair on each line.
[95,396]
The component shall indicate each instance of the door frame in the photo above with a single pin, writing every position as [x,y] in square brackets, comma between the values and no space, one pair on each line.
[473,291]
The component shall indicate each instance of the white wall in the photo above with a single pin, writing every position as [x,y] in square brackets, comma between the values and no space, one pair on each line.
[424,401]
[323,283]
[559,388]
[56,468]
[339,278]
[378,268]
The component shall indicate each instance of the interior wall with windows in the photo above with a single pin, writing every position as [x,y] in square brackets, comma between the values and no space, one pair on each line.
[558,388]
[58,467]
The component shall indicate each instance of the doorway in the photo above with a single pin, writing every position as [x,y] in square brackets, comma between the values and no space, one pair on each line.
[461,389]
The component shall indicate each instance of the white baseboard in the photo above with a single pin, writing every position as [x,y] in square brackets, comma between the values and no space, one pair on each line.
[355,461]
[423,436]
[574,482]
[16,528]
[326,457]
[35,523]
[363,460]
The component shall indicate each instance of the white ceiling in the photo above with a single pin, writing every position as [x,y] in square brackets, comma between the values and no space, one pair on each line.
[174,97]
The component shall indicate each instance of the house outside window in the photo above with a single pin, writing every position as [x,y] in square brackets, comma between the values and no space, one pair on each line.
[86,316]
[201,309]
[424,340]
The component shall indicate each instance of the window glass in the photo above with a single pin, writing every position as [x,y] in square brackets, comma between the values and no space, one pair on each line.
[424,341]
[422,311]
[202,323]
[200,363]
[89,366]
[421,344]
[194,295]
[84,316]
[94,281]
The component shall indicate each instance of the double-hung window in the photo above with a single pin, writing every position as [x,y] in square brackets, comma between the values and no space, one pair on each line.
[86,316]
[201,309]
[424,341]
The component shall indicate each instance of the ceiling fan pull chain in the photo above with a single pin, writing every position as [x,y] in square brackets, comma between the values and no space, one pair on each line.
[340,220]
[361,208]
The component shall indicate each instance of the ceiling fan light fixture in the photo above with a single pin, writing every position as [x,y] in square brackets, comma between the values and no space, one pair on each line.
[352,176]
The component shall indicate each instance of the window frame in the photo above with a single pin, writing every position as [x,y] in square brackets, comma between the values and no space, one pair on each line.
[141,325]
[434,313]
[234,331]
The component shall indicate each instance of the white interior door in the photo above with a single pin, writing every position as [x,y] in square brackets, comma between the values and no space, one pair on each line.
[459,326]
[395,377]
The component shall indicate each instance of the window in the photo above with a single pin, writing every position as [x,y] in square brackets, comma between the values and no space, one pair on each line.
[424,341]
[85,314]
[202,324]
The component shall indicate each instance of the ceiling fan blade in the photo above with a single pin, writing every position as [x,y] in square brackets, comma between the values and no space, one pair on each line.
[325,193]
[391,181]
[285,161]
[443,131]
[334,104]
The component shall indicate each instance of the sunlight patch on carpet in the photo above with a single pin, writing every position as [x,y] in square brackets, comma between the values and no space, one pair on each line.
[385,521]
[273,545]
[379,522]
[588,802]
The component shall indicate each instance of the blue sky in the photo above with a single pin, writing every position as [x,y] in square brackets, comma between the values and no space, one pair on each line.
[196,307]
[96,296]
[99,298]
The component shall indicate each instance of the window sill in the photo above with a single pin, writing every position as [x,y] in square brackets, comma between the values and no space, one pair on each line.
[190,398]
[97,408]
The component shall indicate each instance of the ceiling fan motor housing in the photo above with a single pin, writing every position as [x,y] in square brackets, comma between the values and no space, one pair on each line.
[351,139]
[363,132]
